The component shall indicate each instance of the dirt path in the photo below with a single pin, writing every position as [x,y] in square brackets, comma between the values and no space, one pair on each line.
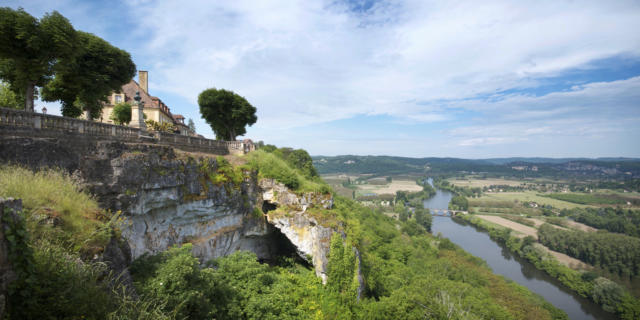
[580,226]
[527,231]
[568,261]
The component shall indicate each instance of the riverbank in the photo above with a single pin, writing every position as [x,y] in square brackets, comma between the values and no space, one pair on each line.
[612,297]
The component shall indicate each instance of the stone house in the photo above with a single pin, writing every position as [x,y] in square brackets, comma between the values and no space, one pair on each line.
[154,108]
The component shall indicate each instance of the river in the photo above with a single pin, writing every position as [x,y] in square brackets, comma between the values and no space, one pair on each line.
[502,262]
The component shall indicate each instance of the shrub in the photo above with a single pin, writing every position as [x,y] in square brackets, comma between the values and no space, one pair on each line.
[121,113]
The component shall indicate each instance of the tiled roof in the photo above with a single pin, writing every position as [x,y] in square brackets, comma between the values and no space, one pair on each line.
[152,102]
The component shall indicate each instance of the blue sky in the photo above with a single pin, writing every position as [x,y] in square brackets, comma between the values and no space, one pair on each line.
[471,79]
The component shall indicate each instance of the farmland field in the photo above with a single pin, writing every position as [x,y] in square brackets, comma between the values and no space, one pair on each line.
[390,188]
[530,196]
[479,183]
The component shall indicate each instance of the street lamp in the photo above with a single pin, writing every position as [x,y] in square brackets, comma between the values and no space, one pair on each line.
[44,110]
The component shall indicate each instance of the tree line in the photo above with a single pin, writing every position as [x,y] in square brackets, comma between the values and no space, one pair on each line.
[626,221]
[616,253]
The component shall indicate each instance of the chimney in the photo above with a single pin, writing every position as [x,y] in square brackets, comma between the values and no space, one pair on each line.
[143,78]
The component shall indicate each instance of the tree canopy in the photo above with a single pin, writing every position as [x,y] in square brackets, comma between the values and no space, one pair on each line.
[226,112]
[85,82]
[30,49]
[77,68]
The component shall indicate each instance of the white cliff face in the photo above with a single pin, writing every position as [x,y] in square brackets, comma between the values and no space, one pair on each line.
[311,239]
[168,202]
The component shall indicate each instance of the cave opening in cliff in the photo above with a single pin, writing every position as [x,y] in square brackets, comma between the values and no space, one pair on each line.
[283,251]
[268,206]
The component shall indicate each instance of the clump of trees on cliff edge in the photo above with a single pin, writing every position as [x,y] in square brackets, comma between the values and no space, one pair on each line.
[76,68]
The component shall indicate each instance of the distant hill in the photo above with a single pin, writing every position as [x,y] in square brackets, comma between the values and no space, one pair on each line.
[518,166]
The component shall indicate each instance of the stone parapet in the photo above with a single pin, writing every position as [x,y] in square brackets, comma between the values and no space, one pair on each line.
[20,123]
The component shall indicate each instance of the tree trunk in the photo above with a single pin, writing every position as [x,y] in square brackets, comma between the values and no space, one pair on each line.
[28,101]
[232,135]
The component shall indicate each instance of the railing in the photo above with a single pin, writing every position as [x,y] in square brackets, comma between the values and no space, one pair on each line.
[46,123]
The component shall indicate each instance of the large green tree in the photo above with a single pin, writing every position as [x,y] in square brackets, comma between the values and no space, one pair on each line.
[85,82]
[227,113]
[31,49]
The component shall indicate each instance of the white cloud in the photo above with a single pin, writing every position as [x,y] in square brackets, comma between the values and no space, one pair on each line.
[304,63]
[313,62]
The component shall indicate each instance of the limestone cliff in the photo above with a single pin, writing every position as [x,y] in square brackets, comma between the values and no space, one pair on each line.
[311,239]
[168,198]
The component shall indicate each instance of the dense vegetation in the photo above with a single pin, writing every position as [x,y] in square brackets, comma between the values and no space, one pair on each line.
[617,253]
[51,249]
[407,273]
[611,296]
[293,168]
[613,219]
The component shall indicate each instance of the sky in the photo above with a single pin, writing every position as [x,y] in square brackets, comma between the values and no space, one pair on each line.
[417,78]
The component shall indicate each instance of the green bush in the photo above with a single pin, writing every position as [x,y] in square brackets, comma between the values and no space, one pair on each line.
[270,165]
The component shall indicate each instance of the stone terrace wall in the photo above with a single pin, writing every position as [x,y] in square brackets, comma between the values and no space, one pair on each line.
[18,123]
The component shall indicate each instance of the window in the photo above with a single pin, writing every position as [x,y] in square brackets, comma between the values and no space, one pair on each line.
[118,98]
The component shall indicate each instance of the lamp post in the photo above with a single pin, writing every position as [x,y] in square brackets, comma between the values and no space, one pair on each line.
[44,110]
[140,103]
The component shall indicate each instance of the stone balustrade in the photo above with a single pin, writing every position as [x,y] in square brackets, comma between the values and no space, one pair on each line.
[51,125]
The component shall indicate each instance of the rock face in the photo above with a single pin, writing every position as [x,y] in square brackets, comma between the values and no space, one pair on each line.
[170,198]
[312,240]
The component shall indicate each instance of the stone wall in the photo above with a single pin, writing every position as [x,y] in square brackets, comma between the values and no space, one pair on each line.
[22,124]
[7,275]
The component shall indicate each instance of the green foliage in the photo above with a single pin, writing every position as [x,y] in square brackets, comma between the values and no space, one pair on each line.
[96,70]
[301,160]
[77,68]
[270,165]
[342,269]
[160,126]
[52,197]
[175,276]
[121,113]
[60,229]
[613,219]
[604,292]
[459,203]
[619,254]
[398,287]
[226,112]
[32,49]
[423,217]
[9,99]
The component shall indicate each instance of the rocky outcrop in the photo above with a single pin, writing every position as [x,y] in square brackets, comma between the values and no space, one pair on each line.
[311,239]
[170,198]
[8,209]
